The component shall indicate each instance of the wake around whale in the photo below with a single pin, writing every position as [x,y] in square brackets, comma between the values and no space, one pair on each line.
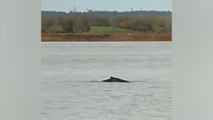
[114,79]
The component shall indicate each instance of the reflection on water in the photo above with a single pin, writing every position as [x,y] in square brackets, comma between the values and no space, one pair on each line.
[71,87]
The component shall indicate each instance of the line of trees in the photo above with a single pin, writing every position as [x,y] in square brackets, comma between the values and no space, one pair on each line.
[149,24]
[76,24]
[80,24]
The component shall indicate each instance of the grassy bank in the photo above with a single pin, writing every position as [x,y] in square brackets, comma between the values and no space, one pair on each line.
[107,29]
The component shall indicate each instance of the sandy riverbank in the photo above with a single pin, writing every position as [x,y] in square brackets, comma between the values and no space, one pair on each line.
[63,37]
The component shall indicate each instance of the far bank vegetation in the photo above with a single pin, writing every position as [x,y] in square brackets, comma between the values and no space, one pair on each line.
[97,24]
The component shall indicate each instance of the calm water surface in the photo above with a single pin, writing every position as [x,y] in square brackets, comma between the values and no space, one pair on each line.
[70,69]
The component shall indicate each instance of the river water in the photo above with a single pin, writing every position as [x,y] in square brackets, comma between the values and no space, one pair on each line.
[72,71]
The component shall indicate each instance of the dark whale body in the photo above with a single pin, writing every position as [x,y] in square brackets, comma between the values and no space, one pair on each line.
[114,79]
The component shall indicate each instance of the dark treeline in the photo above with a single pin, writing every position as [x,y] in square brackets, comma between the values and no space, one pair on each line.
[107,14]
[78,22]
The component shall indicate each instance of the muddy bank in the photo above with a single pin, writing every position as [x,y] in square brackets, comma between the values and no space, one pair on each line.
[107,37]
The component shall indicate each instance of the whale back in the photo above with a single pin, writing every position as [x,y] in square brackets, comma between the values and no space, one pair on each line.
[114,79]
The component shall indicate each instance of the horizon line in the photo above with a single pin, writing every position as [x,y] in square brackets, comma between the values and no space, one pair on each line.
[104,11]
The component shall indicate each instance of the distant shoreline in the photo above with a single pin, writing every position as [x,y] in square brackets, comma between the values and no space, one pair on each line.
[102,37]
